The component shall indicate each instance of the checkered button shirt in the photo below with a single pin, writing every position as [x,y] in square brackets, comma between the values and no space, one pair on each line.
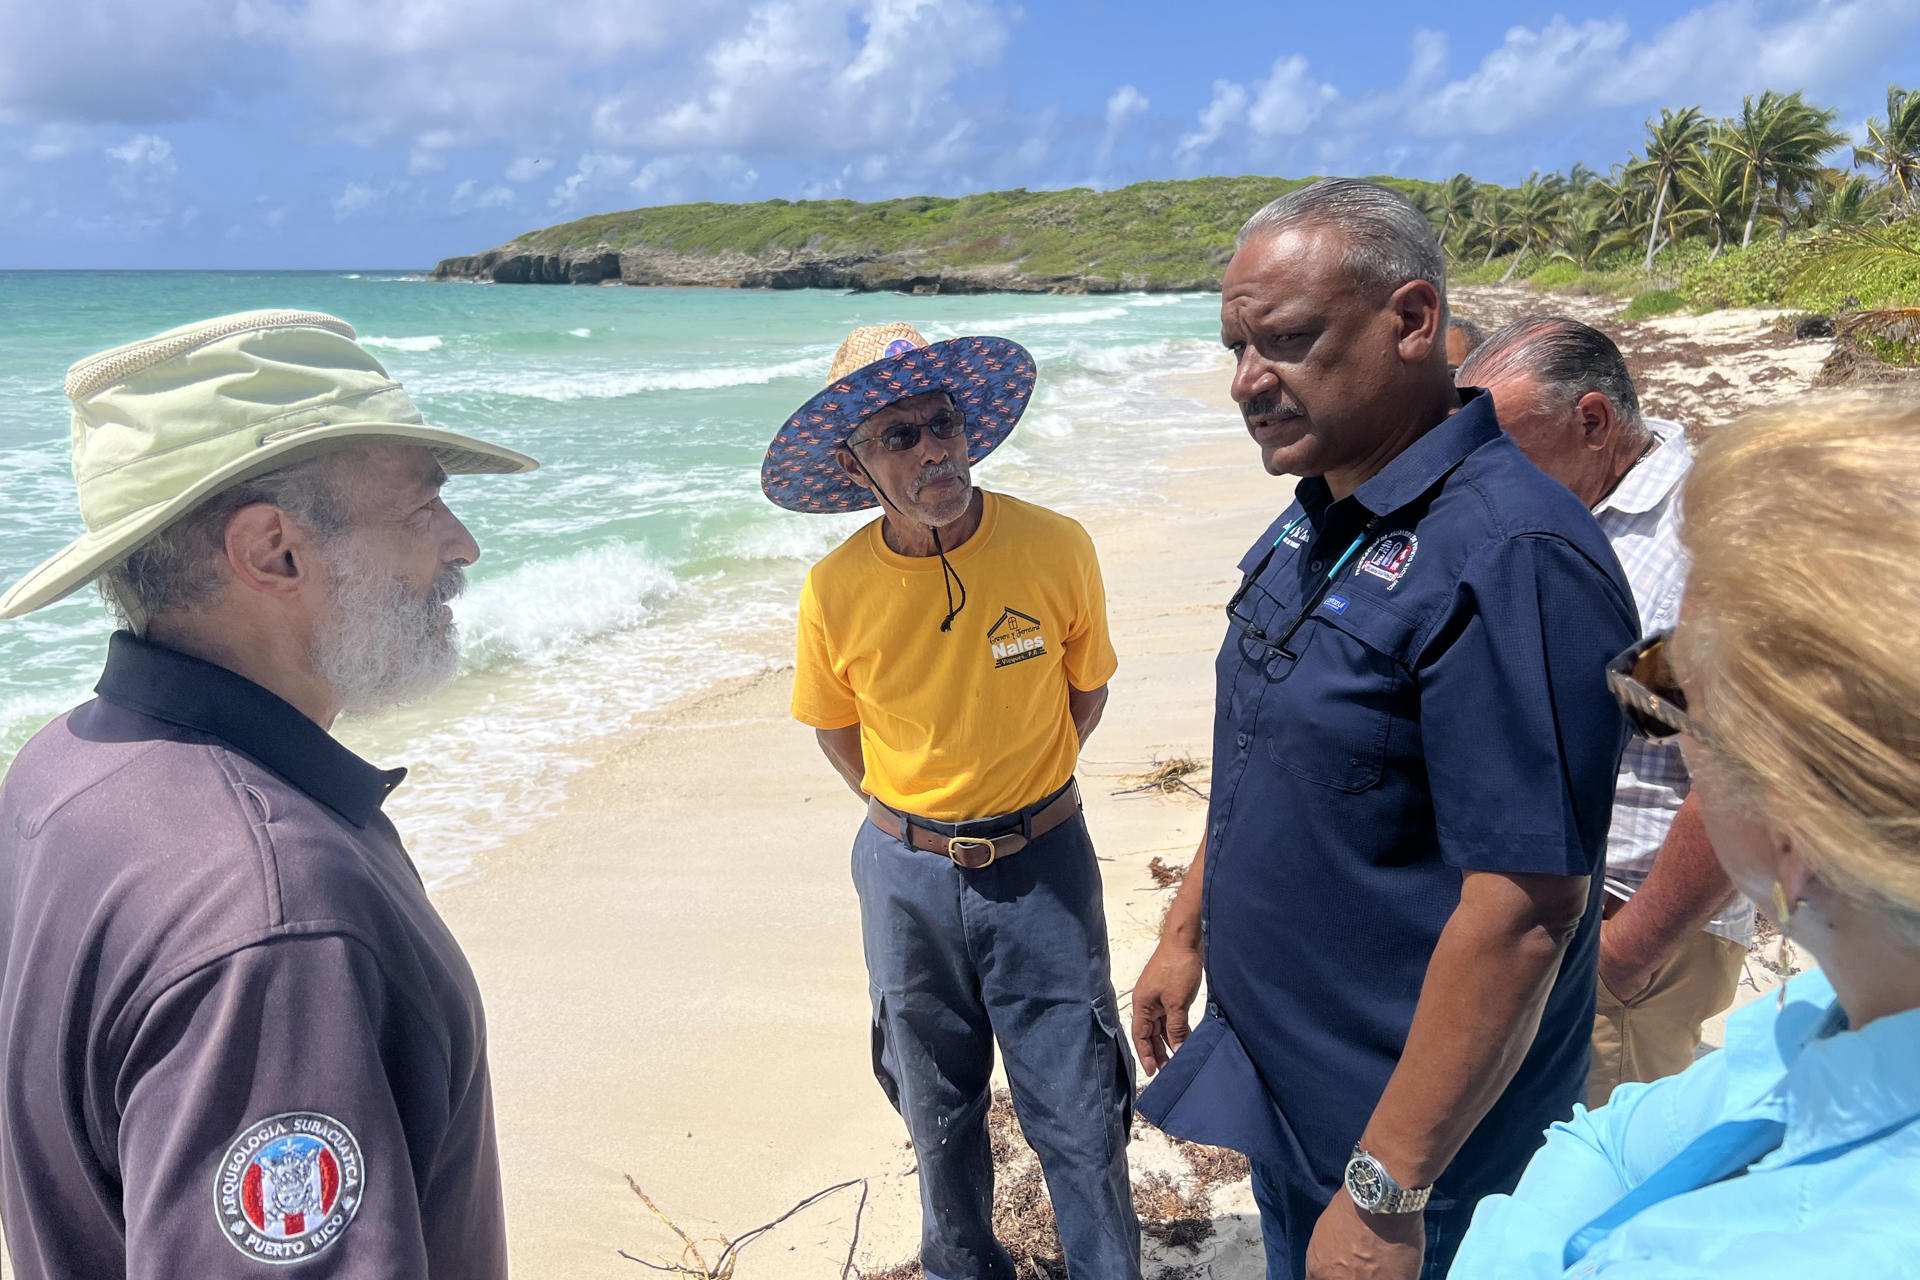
[1641,519]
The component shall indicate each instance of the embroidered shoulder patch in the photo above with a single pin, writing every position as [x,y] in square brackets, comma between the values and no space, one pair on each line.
[1389,557]
[288,1187]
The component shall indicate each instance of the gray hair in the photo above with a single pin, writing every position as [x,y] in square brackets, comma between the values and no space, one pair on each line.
[1389,241]
[1565,358]
[178,568]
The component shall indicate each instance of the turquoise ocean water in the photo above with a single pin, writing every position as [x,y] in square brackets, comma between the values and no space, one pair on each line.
[641,563]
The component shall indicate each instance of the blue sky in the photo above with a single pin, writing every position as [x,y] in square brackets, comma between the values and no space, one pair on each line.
[390,133]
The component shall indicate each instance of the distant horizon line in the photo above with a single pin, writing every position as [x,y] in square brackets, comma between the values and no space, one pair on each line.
[206,271]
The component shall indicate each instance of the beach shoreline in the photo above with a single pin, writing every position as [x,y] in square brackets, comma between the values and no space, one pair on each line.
[672,962]
[671,959]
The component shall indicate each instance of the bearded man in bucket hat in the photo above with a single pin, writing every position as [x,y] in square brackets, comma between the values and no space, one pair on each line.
[236,1034]
[953,655]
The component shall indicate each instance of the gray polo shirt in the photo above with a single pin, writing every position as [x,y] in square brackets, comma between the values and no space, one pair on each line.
[236,1034]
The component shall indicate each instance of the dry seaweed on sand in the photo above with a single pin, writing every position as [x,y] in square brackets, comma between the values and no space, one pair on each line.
[1165,874]
[1175,1212]
[1167,777]
[693,1261]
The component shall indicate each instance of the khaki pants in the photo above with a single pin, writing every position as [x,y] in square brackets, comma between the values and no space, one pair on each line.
[1658,1033]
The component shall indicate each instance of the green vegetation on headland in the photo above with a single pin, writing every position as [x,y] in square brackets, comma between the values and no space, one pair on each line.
[1742,211]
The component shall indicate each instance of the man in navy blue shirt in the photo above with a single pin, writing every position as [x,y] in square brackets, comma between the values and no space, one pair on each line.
[1397,895]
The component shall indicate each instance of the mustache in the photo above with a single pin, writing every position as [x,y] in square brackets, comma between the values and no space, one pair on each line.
[1270,404]
[448,584]
[939,471]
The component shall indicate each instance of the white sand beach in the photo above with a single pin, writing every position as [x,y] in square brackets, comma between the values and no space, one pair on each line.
[671,960]
[672,963]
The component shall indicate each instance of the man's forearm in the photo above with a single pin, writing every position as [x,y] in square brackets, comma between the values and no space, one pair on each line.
[1683,892]
[843,751]
[1182,924]
[1086,706]
[1479,1008]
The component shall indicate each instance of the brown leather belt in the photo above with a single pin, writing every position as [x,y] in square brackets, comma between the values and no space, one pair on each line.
[976,851]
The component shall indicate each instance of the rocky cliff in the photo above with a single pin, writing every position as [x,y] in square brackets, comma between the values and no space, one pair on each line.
[782,269]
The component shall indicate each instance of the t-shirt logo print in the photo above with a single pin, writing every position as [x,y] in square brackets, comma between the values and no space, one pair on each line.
[288,1186]
[1015,638]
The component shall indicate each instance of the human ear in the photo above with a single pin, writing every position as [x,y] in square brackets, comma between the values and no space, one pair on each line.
[267,552]
[1418,308]
[850,466]
[1597,419]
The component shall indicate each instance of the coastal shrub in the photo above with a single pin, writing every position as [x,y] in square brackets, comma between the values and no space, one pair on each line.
[1756,276]
[1474,271]
[1877,267]
[1554,274]
[1654,302]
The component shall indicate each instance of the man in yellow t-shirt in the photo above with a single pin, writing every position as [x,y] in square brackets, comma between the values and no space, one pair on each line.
[953,655]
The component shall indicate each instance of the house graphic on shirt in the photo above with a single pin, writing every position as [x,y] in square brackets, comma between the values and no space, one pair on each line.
[1015,638]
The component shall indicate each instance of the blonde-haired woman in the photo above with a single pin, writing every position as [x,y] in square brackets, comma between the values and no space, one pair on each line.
[1796,1151]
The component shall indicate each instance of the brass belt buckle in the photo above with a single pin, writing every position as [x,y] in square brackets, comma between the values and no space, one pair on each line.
[956,843]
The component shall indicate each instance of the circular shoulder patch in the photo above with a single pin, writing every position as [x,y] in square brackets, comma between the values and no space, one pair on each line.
[288,1186]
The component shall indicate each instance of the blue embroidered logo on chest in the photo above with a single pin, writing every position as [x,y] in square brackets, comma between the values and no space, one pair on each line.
[1015,638]
[1389,557]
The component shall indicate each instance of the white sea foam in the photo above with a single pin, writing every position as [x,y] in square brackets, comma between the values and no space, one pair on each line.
[541,611]
[430,342]
[792,536]
[581,333]
[618,384]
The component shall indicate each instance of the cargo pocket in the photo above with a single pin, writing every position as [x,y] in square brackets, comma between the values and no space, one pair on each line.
[883,1063]
[1107,1022]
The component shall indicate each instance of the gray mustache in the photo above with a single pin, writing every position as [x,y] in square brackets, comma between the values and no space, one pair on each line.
[448,584]
[937,472]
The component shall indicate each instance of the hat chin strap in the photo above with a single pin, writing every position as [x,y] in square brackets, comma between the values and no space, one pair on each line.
[949,576]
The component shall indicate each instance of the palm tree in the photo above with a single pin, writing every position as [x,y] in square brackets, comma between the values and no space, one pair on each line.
[1896,145]
[1534,216]
[1845,201]
[1589,234]
[1671,142]
[1490,219]
[1711,195]
[1452,203]
[1779,140]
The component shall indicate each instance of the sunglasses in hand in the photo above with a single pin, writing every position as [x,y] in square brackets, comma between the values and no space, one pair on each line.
[1643,680]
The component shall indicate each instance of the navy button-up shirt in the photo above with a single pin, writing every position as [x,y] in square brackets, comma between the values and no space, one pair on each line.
[1445,710]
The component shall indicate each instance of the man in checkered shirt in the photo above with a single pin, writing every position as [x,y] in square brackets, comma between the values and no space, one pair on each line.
[1675,936]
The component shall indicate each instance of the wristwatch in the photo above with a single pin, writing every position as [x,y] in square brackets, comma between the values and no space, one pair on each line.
[1374,1189]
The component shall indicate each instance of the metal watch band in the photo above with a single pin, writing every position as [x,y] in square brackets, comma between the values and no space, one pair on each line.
[1388,1196]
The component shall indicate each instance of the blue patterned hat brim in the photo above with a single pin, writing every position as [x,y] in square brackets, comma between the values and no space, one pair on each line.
[990,380]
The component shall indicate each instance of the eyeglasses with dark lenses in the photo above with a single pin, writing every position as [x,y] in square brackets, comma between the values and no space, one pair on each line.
[1244,623]
[1643,680]
[902,436]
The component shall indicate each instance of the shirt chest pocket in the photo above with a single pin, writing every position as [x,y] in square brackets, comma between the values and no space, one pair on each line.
[1329,719]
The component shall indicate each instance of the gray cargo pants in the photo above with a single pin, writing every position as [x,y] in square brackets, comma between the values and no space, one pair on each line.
[1014,952]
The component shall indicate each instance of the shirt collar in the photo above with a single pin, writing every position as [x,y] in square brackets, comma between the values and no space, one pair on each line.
[1655,476]
[1833,1086]
[1418,467]
[179,689]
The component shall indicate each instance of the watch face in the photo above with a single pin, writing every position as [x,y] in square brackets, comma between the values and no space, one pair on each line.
[1365,1182]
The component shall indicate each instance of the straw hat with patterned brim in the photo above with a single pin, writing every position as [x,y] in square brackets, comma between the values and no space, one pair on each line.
[163,424]
[990,380]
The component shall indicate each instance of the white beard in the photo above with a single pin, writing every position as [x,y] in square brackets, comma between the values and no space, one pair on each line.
[382,644]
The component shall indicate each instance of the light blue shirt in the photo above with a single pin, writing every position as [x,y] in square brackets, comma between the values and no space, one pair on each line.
[1840,1196]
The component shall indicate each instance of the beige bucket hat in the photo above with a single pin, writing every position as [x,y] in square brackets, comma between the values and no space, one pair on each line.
[162,424]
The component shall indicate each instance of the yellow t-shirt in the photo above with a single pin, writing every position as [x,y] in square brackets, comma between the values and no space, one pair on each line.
[971,722]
